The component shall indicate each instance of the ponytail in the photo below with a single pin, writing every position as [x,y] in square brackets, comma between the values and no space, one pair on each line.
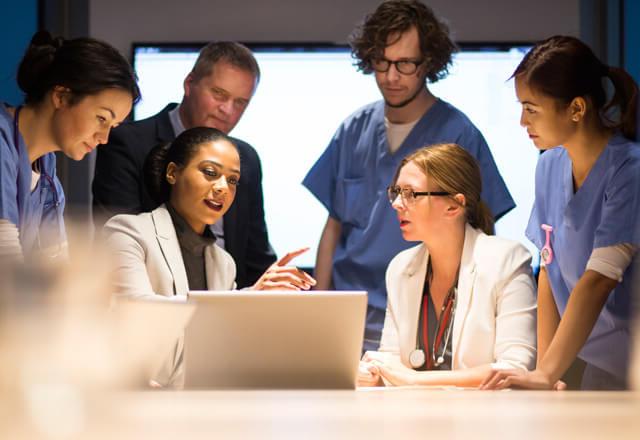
[85,66]
[481,218]
[36,65]
[456,171]
[154,171]
[625,98]
[564,68]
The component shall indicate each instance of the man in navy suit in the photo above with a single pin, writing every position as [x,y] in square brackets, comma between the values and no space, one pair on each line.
[216,93]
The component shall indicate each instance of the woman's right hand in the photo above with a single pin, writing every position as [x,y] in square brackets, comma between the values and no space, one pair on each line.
[369,375]
[280,276]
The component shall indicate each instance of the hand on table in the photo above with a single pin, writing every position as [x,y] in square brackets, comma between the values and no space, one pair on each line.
[369,375]
[280,276]
[533,380]
[397,374]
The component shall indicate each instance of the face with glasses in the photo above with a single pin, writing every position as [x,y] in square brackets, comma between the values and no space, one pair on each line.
[400,71]
[203,189]
[420,204]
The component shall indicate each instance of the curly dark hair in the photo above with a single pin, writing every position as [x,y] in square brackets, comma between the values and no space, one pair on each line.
[369,39]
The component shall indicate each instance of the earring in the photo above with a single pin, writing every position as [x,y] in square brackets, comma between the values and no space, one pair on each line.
[575,118]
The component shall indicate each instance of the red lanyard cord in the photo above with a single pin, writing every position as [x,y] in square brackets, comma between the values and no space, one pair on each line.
[442,324]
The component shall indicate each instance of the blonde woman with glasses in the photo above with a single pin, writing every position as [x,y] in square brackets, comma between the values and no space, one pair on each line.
[462,302]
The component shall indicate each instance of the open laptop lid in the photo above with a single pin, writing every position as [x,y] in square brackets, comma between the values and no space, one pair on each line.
[252,339]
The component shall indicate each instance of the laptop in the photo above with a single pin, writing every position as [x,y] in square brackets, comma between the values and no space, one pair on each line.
[274,340]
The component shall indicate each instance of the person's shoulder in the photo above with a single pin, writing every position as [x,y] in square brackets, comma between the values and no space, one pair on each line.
[6,126]
[141,128]
[406,257]
[367,111]
[6,121]
[453,114]
[246,150]
[494,253]
[623,150]
[129,223]
[552,159]
[363,116]
[453,120]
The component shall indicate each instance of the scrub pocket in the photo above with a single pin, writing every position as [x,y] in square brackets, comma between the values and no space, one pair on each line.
[352,201]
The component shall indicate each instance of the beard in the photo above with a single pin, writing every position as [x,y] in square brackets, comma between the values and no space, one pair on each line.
[405,102]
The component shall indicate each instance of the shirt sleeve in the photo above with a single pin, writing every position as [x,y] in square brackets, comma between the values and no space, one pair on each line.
[10,249]
[321,178]
[612,261]
[533,231]
[8,180]
[494,190]
[621,210]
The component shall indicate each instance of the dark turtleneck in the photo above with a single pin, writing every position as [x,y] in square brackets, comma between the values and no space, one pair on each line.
[192,246]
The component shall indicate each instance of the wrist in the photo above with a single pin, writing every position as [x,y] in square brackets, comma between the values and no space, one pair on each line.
[550,375]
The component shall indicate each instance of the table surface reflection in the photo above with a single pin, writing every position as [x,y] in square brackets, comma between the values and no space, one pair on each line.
[374,413]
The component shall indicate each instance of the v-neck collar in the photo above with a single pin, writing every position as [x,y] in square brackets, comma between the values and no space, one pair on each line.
[419,127]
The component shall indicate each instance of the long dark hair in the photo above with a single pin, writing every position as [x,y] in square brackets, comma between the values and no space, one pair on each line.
[180,152]
[83,65]
[565,68]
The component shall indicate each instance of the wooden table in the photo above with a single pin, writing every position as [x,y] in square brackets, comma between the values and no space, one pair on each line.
[394,414]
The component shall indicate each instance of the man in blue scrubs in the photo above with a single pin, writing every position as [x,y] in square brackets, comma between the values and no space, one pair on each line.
[406,47]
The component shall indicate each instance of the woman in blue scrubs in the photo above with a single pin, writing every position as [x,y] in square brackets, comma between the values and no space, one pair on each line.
[585,216]
[75,91]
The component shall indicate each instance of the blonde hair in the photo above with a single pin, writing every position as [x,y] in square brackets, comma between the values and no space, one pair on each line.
[455,171]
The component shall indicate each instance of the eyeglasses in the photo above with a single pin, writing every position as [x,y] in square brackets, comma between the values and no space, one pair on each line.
[406,67]
[408,195]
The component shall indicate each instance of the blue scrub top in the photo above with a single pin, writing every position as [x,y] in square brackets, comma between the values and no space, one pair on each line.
[350,180]
[603,212]
[37,214]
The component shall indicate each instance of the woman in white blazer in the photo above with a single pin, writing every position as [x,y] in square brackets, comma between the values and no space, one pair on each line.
[462,302]
[167,252]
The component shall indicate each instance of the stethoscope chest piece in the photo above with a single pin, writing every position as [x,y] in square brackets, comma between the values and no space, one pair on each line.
[417,358]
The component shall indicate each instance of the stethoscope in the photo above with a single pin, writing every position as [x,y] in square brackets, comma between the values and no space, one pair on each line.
[43,173]
[417,357]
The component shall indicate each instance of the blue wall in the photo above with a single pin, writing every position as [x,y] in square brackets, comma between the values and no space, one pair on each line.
[632,38]
[632,43]
[17,25]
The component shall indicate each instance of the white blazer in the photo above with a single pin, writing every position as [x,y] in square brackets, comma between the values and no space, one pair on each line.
[495,316]
[149,264]
[149,260]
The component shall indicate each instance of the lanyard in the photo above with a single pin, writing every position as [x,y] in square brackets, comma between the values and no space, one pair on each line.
[43,173]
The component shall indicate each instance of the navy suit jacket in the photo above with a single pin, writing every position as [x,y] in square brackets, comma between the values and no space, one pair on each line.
[119,188]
